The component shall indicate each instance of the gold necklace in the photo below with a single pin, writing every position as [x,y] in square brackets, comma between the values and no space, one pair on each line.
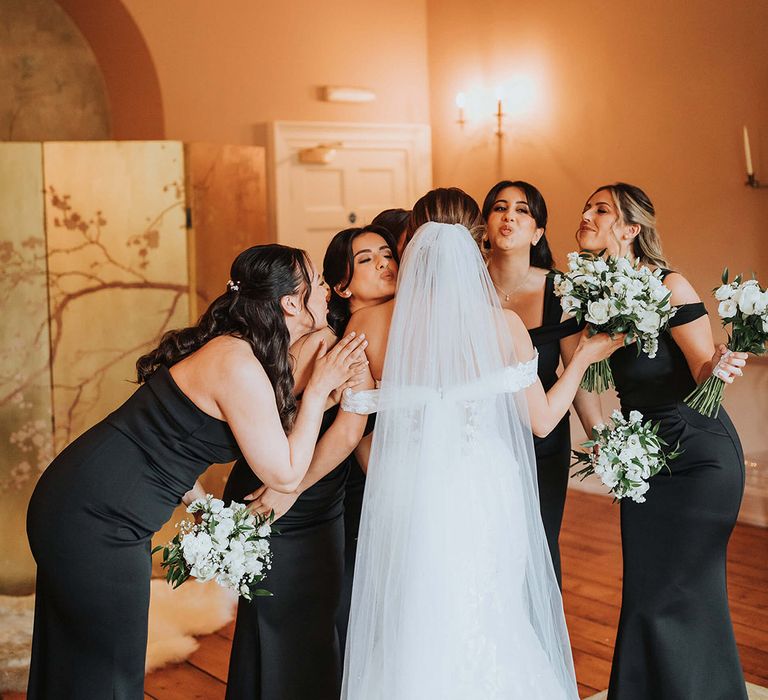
[509,293]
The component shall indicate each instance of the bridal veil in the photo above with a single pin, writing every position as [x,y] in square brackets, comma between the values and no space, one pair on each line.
[454,592]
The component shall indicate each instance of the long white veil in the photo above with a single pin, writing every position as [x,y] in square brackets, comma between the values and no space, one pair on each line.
[454,593]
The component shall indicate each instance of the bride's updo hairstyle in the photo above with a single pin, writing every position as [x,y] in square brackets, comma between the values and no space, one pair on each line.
[635,207]
[249,309]
[446,205]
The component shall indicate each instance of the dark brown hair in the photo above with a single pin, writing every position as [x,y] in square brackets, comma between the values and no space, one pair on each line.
[541,255]
[339,266]
[250,309]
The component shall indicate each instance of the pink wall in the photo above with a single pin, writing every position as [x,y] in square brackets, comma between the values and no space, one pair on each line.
[226,66]
[651,92]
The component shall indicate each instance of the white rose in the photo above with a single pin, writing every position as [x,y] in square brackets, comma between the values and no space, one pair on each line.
[624,266]
[223,530]
[264,530]
[570,304]
[597,312]
[750,294]
[203,571]
[761,303]
[637,493]
[727,308]
[600,266]
[658,293]
[649,322]
[216,505]
[724,292]
[635,417]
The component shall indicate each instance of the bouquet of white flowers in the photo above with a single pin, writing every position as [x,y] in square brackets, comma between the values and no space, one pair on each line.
[614,296]
[228,544]
[743,305]
[628,454]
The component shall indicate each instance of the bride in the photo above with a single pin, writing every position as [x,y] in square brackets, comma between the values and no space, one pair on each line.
[454,593]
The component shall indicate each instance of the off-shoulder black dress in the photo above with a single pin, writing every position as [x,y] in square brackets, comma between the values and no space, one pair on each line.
[675,639]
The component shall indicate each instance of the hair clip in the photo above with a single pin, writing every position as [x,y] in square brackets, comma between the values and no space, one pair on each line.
[233,286]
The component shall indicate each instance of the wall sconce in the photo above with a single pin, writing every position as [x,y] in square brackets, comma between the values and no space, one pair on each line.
[499,113]
[751,179]
[461,102]
[514,99]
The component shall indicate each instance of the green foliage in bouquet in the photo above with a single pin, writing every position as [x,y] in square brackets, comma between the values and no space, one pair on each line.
[744,307]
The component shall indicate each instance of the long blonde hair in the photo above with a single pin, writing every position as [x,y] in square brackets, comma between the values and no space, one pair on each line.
[635,207]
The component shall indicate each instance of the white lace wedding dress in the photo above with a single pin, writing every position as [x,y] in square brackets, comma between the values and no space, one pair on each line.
[454,593]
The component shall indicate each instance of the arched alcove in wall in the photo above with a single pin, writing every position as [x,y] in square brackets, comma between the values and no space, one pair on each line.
[130,77]
[51,85]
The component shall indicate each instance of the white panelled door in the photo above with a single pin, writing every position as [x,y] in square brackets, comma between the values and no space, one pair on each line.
[369,168]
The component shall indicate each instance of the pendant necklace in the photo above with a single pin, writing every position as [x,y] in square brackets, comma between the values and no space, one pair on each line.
[509,293]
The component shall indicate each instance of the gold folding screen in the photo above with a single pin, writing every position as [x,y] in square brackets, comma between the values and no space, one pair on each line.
[96,260]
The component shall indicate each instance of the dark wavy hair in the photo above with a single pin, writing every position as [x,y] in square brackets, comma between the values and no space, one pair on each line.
[541,255]
[446,205]
[263,274]
[339,266]
[394,220]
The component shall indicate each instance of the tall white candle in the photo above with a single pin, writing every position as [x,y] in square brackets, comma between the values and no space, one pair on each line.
[748,152]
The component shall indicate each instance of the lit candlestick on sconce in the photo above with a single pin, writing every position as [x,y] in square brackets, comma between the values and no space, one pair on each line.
[499,112]
[461,102]
[751,179]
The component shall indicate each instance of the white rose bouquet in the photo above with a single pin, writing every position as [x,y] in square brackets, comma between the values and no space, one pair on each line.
[743,306]
[229,545]
[629,453]
[614,296]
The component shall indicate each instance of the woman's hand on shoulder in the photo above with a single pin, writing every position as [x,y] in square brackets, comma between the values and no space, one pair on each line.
[335,367]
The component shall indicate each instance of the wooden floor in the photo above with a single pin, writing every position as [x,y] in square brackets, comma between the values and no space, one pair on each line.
[592,594]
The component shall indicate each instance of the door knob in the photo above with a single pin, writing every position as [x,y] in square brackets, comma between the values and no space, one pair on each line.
[352,217]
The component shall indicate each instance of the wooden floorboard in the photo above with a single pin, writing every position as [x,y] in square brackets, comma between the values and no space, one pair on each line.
[591,554]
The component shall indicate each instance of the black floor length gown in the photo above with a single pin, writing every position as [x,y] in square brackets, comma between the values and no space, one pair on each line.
[90,522]
[675,639]
[553,452]
[286,646]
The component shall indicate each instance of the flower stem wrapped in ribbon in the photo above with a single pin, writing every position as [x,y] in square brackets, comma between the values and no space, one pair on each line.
[743,306]
[228,544]
[614,296]
[628,454]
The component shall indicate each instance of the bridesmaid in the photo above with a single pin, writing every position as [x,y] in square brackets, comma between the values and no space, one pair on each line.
[675,639]
[286,647]
[519,262]
[209,393]
[350,292]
